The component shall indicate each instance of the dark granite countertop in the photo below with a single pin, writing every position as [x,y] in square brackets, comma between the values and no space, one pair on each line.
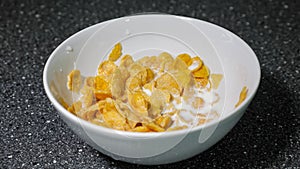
[33,136]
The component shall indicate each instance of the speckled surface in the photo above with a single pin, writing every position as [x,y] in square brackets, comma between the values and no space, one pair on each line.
[33,136]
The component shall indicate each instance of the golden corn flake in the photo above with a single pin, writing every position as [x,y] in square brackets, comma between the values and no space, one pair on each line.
[203,72]
[167,96]
[102,88]
[101,95]
[133,83]
[154,111]
[75,107]
[145,61]
[165,57]
[168,83]
[137,81]
[158,98]
[181,73]
[136,68]
[186,58]
[179,65]
[123,108]
[197,63]
[164,61]
[164,121]
[126,61]
[182,78]
[95,107]
[74,81]
[87,96]
[89,116]
[118,84]
[138,102]
[154,63]
[106,68]
[101,84]
[154,127]
[150,75]
[63,102]
[112,118]
[216,80]
[89,81]
[116,52]
[242,97]
[98,116]
[201,82]
[201,121]
[139,78]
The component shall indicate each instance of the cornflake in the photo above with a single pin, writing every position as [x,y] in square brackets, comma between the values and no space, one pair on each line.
[243,96]
[74,81]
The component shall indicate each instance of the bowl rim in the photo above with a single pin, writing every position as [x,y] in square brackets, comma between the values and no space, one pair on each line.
[106,130]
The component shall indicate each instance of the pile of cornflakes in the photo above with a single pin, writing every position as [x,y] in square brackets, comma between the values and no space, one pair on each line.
[142,95]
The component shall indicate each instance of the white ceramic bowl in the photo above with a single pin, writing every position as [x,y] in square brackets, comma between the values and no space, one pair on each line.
[140,35]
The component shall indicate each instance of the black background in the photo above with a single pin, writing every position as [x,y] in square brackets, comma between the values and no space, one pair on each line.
[33,135]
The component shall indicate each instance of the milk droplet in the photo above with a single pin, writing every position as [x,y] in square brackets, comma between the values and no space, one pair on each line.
[69,49]
[127,32]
